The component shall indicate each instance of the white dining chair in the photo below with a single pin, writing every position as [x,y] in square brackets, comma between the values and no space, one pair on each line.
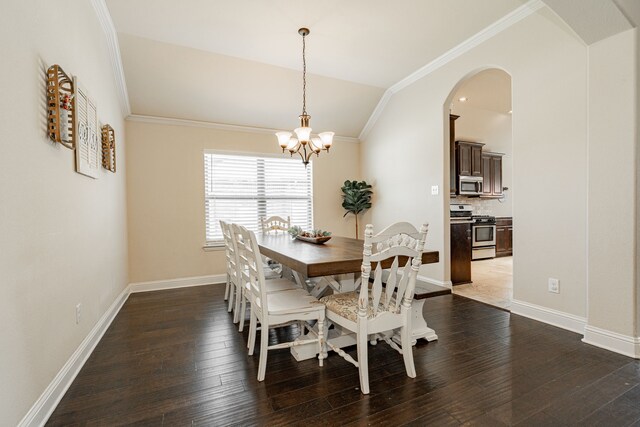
[273,283]
[233,282]
[275,224]
[273,309]
[374,310]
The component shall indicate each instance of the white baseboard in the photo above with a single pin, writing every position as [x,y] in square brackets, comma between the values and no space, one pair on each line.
[47,402]
[547,315]
[444,284]
[613,341]
[183,282]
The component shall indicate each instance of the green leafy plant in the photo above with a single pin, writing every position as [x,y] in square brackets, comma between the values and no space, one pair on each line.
[356,198]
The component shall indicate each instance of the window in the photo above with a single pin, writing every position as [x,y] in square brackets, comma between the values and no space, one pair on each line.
[242,189]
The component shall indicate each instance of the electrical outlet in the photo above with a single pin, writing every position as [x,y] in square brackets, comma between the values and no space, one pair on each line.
[435,190]
[78,312]
[554,285]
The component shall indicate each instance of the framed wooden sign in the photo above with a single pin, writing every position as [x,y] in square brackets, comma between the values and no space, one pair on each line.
[87,131]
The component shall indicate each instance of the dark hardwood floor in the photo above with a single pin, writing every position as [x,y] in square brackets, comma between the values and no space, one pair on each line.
[175,358]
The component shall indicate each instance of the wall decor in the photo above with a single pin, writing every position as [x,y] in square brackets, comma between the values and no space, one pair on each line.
[108,148]
[60,107]
[86,129]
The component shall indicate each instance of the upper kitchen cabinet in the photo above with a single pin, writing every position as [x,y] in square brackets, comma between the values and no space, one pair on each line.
[469,156]
[491,174]
[453,176]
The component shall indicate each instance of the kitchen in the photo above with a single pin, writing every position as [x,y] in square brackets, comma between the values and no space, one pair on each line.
[481,189]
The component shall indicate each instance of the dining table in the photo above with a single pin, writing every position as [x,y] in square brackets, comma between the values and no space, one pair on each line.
[336,265]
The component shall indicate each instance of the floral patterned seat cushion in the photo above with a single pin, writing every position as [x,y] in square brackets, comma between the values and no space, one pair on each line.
[346,305]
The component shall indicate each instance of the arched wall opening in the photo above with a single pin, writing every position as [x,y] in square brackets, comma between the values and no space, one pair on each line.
[479,110]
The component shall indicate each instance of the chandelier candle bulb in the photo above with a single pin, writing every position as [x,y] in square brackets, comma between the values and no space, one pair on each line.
[327,139]
[283,139]
[303,134]
[305,144]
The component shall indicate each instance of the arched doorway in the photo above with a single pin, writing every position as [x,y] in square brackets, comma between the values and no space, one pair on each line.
[481,180]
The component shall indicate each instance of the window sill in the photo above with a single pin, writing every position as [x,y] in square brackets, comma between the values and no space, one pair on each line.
[213,247]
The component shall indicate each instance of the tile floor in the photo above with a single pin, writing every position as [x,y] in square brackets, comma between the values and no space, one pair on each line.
[492,282]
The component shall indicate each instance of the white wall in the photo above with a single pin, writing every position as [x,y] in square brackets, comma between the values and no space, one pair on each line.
[406,150]
[613,145]
[63,234]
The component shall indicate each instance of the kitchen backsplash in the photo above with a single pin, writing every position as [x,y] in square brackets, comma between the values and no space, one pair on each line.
[485,206]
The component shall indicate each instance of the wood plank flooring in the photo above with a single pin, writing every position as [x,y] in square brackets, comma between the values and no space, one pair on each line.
[175,358]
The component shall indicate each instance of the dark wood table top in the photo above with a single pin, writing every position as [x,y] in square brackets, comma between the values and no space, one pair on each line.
[337,256]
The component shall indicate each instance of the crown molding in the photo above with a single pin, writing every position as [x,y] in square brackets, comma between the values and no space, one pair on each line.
[102,12]
[375,115]
[497,27]
[500,25]
[219,126]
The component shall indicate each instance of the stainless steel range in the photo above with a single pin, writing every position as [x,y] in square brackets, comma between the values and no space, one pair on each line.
[460,213]
[483,240]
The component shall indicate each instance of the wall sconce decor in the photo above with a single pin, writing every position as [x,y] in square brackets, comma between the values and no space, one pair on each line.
[60,107]
[108,148]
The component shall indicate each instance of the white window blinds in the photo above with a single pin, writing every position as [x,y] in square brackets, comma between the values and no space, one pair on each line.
[241,189]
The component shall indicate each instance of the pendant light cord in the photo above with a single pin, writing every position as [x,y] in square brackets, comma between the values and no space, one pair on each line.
[304,77]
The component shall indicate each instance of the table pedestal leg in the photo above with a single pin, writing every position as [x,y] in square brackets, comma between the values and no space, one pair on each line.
[419,328]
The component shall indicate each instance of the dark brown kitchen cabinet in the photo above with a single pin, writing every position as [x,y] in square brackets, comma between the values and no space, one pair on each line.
[469,158]
[504,236]
[453,176]
[460,253]
[492,174]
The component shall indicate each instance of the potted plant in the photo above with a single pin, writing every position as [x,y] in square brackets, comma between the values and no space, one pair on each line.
[356,198]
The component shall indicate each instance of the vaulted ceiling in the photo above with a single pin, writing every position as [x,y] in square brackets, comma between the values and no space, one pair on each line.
[239,62]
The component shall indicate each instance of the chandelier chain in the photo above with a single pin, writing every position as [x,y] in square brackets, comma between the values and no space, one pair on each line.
[304,77]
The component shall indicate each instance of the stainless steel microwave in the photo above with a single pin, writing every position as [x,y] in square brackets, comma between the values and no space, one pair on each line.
[470,185]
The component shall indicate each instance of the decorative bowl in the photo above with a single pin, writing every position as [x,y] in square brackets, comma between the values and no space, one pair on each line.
[316,240]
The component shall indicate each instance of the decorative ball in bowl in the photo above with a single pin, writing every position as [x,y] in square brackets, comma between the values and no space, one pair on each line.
[314,236]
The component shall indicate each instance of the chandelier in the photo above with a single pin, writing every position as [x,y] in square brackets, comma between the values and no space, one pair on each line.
[303,142]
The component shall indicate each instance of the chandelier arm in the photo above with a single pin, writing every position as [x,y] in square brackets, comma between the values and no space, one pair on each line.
[307,156]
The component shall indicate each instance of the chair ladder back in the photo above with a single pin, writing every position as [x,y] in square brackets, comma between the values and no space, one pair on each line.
[275,223]
[252,270]
[230,251]
[397,240]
